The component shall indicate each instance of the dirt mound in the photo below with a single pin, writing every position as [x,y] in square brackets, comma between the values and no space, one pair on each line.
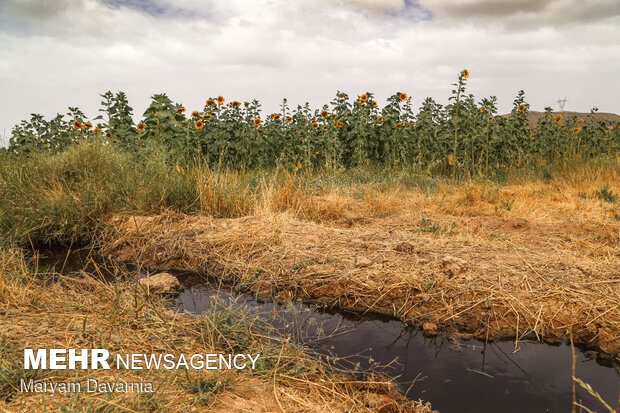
[476,286]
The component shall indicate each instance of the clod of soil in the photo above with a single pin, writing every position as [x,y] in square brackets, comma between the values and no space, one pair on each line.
[161,283]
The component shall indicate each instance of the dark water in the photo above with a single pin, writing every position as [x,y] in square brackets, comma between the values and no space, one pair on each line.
[454,375]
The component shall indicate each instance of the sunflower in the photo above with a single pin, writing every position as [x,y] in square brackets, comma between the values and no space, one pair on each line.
[402,96]
[334,116]
[317,152]
[257,122]
[532,136]
[380,119]
[277,116]
[181,109]
[324,114]
[140,126]
[195,114]
[107,135]
[316,125]
[409,126]
[481,110]
[521,107]
[77,124]
[363,98]
[235,104]
[210,102]
[339,124]
[199,124]
[295,129]
[220,99]
[580,122]
[88,125]
[398,125]
[207,116]
[341,96]
[576,130]
[557,119]
[289,119]
[465,73]
[325,127]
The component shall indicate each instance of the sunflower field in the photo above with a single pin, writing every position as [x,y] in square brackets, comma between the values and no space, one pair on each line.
[464,137]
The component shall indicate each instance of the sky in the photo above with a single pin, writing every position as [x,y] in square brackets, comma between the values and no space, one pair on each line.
[60,53]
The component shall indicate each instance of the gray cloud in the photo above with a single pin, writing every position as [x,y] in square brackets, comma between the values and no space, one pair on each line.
[525,13]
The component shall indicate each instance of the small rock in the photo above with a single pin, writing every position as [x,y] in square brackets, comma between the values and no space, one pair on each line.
[453,266]
[429,328]
[361,261]
[161,283]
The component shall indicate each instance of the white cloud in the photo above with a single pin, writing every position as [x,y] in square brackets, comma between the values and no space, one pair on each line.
[65,55]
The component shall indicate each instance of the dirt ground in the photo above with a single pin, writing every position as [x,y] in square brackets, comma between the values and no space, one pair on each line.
[475,274]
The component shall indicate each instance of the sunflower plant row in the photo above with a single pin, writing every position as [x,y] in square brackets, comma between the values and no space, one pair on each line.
[463,137]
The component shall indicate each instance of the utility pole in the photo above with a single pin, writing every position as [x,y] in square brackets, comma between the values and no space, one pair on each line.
[561,103]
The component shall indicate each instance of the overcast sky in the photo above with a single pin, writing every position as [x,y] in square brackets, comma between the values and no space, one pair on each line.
[60,53]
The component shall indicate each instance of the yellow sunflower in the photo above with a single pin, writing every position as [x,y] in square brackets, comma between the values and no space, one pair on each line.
[465,73]
[181,109]
[77,124]
[580,122]
[235,104]
[289,119]
[88,125]
[521,107]
[195,114]
[257,122]
[324,114]
[210,102]
[199,124]
[380,119]
[402,96]
[220,99]
[557,119]
[339,125]
[140,126]
[398,125]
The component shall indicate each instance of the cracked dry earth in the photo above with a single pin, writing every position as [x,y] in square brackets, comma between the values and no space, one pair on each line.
[485,277]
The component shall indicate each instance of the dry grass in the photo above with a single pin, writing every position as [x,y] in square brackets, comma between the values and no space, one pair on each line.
[84,311]
[540,256]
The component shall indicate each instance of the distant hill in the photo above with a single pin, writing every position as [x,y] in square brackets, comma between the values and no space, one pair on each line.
[534,116]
